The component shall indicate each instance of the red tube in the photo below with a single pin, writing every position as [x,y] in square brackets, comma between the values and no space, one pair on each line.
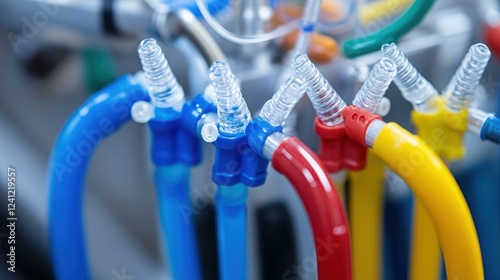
[323,205]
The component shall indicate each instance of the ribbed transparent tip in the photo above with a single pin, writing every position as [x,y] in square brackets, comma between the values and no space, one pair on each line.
[414,88]
[459,93]
[371,93]
[142,111]
[163,88]
[232,109]
[325,100]
[276,110]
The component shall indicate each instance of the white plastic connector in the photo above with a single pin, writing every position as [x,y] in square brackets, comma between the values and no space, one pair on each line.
[384,107]
[142,111]
[209,132]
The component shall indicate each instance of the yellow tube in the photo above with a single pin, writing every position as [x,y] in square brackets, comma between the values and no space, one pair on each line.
[431,181]
[425,257]
[379,10]
[366,190]
[443,131]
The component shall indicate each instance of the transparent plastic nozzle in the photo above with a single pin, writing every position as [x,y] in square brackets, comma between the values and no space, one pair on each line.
[371,93]
[459,93]
[276,110]
[325,100]
[162,86]
[476,119]
[142,111]
[414,88]
[232,109]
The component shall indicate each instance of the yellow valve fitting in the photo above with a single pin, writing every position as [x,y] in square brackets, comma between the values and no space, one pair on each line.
[442,130]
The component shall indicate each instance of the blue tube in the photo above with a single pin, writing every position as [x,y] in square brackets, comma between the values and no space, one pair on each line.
[101,115]
[481,192]
[174,201]
[491,130]
[231,231]
[397,231]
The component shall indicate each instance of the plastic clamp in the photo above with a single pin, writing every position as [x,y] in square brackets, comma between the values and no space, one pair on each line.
[442,130]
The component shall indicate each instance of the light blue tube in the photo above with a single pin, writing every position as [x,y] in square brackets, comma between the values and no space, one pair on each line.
[231,231]
[172,184]
[100,116]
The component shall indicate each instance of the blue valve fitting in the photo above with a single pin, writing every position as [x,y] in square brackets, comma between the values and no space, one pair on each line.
[258,130]
[236,162]
[239,159]
[174,134]
[491,130]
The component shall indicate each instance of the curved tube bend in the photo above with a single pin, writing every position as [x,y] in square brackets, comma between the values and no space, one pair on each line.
[101,115]
[437,190]
[323,205]
[370,43]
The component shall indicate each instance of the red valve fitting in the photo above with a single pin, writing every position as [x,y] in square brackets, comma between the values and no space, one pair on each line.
[492,38]
[331,145]
[337,150]
[356,122]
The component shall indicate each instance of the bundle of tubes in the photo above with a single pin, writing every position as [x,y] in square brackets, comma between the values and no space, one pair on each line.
[353,140]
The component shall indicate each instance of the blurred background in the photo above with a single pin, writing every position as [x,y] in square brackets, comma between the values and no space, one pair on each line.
[55,54]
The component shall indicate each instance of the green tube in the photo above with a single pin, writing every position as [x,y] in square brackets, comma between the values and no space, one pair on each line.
[391,33]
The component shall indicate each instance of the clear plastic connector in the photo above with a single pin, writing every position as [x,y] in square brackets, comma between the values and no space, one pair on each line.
[276,110]
[325,100]
[459,93]
[371,93]
[162,86]
[413,86]
[232,109]
[476,119]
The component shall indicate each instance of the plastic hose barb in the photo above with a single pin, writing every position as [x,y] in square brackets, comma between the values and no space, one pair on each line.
[459,93]
[276,110]
[373,89]
[414,88]
[163,88]
[232,109]
[325,100]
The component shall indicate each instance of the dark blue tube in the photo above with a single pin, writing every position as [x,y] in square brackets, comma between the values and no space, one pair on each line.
[397,230]
[481,192]
[232,231]
[101,115]
[172,183]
